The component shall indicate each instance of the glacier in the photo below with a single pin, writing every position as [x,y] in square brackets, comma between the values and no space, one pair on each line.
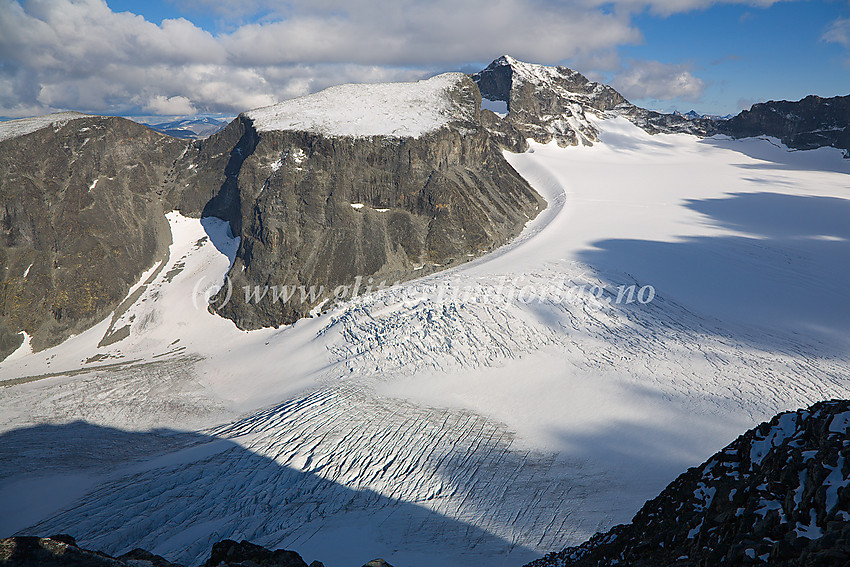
[452,418]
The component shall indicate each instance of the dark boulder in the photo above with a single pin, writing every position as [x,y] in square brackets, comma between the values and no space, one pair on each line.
[229,553]
[57,551]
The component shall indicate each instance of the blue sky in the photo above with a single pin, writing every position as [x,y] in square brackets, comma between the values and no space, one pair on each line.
[177,57]
[748,54]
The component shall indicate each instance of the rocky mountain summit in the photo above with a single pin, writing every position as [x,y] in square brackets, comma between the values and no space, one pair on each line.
[546,103]
[778,495]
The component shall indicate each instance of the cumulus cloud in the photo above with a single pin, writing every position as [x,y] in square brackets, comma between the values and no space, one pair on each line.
[79,54]
[244,8]
[659,81]
[174,105]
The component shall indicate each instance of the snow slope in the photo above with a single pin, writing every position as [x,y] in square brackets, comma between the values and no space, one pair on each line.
[23,126]
[483,415]
[380,109]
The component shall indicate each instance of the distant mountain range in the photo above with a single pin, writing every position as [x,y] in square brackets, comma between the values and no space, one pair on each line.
[810,123]
[188,128]
[694,115]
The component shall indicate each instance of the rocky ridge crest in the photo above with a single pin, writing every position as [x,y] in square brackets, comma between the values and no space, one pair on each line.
[552,103]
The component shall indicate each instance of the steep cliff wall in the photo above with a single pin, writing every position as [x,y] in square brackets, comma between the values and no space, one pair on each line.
[322,208]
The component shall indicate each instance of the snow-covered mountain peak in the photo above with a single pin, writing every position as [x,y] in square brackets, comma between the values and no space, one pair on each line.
[545,102]
[553,103]
[537,73]
[380,109]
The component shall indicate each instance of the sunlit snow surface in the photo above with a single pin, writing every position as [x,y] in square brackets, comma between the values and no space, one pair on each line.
[428,425]
[379,109]
[23,126]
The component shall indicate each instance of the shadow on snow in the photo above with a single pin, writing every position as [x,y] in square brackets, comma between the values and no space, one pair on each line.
[176,493]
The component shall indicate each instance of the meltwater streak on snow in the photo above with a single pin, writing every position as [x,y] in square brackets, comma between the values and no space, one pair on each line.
[23,126]
[457,430]
[382,109]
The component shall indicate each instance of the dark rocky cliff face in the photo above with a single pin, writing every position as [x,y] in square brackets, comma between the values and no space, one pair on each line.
[810,123]
[779,495]
[420,204]
[82,218]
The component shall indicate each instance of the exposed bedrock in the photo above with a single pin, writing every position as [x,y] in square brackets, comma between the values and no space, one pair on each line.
[321,210]
[81,217]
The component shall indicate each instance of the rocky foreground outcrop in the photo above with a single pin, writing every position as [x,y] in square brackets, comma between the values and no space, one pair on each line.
[63,551]
[779,495]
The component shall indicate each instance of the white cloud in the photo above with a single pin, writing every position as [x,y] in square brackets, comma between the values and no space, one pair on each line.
[838,32]
[427,32]
[669,7]
[160,104]
[228,8]
[658,81]
[79,54]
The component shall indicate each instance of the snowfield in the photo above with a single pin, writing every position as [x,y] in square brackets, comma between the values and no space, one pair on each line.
[480,416]
[359,110]
[13,128]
